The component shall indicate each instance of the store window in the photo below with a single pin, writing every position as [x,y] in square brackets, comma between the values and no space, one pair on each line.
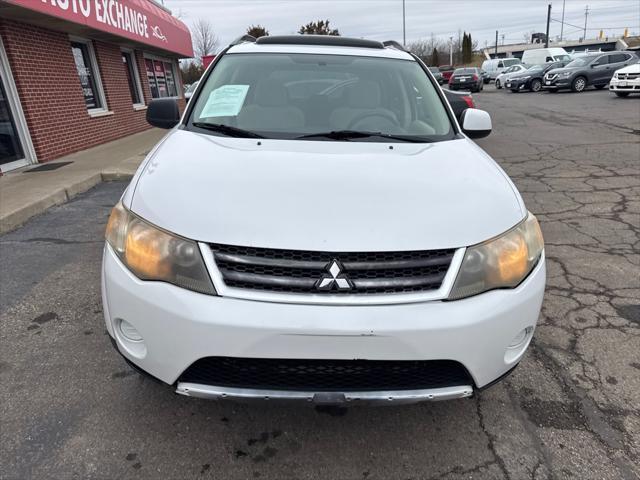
[129,63]
[162,78]
[87,68]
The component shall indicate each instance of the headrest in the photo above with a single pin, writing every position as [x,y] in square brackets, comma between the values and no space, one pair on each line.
[364,94]
[271,93]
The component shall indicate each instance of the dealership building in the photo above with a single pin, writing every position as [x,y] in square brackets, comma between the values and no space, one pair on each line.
[78,73]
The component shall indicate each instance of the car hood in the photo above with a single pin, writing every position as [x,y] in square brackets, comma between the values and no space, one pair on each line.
[324,195]
[634,68]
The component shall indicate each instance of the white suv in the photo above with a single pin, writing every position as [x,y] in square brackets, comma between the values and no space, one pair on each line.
[317,226]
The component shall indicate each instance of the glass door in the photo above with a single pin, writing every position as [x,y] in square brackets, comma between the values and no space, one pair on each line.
[10,145]
[16,149]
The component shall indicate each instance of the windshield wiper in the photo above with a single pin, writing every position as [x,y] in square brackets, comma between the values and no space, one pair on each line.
[227,130]
[351,134]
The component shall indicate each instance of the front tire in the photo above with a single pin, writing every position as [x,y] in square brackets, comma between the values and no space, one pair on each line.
[622,94]
[579,84]
[536,85]
[498,86]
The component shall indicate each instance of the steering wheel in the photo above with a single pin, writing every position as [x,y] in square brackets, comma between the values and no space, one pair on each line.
[380,114]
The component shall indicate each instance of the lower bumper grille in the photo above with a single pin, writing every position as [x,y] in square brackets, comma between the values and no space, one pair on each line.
[313,272]
[326,375]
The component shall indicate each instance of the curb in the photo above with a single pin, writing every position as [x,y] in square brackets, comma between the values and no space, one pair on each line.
[18,217]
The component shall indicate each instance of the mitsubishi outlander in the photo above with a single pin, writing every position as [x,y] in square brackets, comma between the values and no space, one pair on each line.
[317,226]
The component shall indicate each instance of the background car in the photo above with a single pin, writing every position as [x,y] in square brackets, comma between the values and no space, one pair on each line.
[447,71]
[467,79]
[531,79]
[496,66]
[485,76]
[512,71]
[626,80]
[582,72]
[437,74]
[190,90]
[459,102]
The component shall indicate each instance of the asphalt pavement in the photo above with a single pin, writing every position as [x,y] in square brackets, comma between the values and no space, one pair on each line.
[72,408]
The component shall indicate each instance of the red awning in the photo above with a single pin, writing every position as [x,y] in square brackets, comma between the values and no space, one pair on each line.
[138,20]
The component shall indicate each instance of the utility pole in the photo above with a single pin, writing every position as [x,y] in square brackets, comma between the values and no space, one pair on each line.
[502,38]
[562,23]
[546,39]
[586,14]
[404,26]
[496,50]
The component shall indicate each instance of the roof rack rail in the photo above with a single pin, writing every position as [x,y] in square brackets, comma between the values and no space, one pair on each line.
[394,44]
[328,40]
[243,39]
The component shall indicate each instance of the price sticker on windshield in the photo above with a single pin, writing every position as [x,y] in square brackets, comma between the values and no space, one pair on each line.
[225,101]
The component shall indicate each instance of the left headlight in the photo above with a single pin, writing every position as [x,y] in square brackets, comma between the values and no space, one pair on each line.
[565,74]
[153,254]
[502,262]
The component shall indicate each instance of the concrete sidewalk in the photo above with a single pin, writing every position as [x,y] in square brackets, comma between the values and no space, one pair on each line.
[24,194]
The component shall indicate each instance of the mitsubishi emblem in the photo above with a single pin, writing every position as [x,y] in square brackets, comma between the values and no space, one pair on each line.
[335,279]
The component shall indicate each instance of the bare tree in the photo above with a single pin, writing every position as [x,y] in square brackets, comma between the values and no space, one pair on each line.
[205,41]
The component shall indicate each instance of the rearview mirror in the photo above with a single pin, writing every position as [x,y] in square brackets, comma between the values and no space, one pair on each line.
[476,123]
[163,113]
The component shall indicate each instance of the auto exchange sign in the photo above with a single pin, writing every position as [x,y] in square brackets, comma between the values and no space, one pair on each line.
[138,20]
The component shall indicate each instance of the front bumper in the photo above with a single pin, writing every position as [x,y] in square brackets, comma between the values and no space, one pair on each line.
[516,84]
[631,86]
[179,327]
[463,85]
[556,83]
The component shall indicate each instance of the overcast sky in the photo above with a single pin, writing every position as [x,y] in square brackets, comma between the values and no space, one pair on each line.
[382,19]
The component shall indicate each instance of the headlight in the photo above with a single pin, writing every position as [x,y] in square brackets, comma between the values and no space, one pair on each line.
[615,75]
[502,262]
[153,254]
[565,74]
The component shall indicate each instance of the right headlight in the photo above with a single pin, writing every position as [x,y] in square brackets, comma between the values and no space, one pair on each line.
[151,253]
[502,262]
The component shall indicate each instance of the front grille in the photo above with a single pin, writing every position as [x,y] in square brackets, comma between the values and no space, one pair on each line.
[628,76]
[298,271]
[326,375]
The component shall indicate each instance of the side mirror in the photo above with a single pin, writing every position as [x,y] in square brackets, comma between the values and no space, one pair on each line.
[163,113]
[476,123]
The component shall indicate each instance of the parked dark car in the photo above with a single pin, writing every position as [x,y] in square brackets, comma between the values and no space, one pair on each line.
[582,72]
[486,78]
[467,79]
[531,79]
[447,71]
[459,102]
[437,74]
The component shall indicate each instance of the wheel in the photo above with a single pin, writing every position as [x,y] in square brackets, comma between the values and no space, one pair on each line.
[579,84]
[536,85]
[622,94]
[498,86]
[599,87]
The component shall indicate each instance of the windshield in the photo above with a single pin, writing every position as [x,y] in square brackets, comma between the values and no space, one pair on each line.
[579,62]
[281,95]
[534,68]
[464,71]
[511,61]
[561,58]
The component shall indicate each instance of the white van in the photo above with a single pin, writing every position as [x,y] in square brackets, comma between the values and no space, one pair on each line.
[540,56]
[496,66]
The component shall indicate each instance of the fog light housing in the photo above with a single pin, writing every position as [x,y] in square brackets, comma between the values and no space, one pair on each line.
[518,345]
[129,332]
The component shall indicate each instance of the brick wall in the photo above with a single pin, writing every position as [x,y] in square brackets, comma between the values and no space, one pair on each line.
[49,89]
